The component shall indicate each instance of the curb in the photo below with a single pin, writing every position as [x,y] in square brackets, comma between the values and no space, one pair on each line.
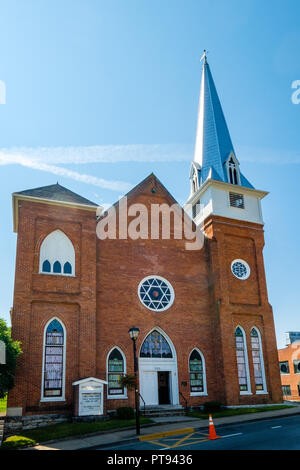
[137,439]
[99,433]
[108,446]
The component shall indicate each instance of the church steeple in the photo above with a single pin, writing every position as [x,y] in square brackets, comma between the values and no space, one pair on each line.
[214,149]
[218,188]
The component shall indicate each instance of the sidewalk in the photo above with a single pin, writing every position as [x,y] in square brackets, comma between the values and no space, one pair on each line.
[161,425]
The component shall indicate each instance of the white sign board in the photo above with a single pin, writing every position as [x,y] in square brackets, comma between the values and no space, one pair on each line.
[90,399]
[2,353]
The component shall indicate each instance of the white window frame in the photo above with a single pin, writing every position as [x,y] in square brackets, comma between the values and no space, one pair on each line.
[124,395]
[234,207]
[204,393]
[262,363]
[246,266]
[243,392]
[62,398]
[62,261]
[169,286]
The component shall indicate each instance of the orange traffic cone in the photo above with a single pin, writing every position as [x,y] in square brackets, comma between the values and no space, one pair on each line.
[212,431]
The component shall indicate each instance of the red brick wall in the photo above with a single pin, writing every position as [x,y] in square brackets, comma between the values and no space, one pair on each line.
[101,303]
[40,297]
[244,303]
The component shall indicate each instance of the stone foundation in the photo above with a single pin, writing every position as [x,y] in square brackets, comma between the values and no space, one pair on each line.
[16,424]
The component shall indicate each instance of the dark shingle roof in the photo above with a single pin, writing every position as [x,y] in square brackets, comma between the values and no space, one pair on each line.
[56,192]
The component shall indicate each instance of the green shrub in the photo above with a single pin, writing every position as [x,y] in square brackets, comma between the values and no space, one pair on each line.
[17,441]
[212,406]
[125,412]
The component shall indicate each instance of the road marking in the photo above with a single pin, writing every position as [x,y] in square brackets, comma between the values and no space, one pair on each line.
[188,439]
[181,440]
[159,435]
[276,427]
[188,443]
[231,435]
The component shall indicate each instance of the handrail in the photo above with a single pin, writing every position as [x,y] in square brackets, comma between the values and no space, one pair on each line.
[143,402]
[185,401]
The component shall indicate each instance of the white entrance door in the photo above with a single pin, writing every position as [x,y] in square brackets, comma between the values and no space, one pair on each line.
[149,387]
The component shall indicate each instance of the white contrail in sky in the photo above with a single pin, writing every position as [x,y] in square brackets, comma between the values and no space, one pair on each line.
[103,153]
[47,158]
[65,172]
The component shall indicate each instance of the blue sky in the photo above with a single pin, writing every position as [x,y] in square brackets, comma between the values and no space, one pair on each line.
[109,90]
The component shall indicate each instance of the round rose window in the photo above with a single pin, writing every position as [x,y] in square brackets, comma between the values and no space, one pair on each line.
[240,269]
[156,293]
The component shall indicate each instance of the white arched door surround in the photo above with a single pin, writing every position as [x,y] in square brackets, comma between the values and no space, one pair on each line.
[158,376]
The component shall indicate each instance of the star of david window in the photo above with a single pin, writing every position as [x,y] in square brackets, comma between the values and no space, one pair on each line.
[156,293]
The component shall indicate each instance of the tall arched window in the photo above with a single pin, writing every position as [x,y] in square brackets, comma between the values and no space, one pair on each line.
[197,373]
[54,361]
[233,170]
[242,361]
[258,361]
[116,368]
[156,346]
[57,255]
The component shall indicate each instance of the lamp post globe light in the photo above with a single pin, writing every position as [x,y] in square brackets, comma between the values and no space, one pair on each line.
[134,333]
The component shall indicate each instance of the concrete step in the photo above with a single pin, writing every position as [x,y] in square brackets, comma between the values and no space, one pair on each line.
[160,411]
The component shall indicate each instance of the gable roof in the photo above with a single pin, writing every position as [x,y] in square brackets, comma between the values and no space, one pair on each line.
[157,186]
[56,192]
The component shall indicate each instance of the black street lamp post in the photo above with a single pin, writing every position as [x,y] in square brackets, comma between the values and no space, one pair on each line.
[134,333]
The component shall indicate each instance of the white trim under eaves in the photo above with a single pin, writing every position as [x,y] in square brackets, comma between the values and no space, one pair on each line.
[19,197]
[227,187]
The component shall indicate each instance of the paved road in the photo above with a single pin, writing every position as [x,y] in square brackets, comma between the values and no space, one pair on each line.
[271,434]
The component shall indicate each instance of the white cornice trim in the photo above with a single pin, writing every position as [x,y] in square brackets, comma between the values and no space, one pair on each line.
[227,187]
[72,205]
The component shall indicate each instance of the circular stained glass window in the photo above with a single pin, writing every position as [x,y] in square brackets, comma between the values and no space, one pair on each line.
[156,293]
[240,269]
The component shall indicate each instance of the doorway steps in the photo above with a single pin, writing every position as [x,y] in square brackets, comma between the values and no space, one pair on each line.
[162,410]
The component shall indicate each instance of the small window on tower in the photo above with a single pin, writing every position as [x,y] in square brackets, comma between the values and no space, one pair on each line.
[196,209]
[237,200]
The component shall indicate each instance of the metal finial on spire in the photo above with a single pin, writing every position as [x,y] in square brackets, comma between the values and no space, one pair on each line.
[204,56]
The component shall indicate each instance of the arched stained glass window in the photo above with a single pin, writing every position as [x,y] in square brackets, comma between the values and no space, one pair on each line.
[57,267]
[156,345]
[196,372]
[67,268]
[46,267]
[257,357]
[242,360]
[54,360]
[116,370]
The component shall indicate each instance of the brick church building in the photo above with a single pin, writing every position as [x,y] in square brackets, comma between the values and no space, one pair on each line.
[206,325]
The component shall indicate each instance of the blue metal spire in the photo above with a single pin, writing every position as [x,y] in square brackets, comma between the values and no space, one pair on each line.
[213,142]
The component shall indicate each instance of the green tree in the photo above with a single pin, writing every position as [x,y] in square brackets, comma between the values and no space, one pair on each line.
[13,350]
